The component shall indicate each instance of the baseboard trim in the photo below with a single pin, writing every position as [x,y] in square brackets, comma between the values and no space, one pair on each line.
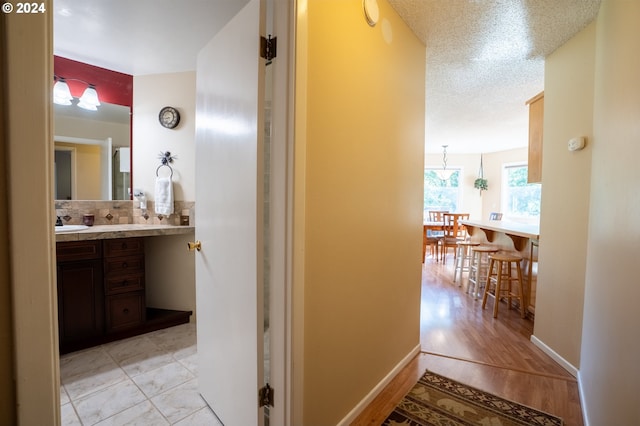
[378,388]
[555,356]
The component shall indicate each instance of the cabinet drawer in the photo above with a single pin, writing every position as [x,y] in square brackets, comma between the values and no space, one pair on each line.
[78,250]
[125,311]
[123,284]
[123,265]
[123,247]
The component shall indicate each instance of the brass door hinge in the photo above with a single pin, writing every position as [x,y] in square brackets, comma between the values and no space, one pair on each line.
[268,48]
[265,396]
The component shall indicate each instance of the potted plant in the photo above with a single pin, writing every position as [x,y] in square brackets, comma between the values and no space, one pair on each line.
[481,183]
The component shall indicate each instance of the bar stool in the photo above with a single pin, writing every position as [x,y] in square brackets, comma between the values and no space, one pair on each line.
[463,259]
[502,279]
[479,267]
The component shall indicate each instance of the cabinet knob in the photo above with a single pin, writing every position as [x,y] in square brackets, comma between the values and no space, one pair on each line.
[195,245]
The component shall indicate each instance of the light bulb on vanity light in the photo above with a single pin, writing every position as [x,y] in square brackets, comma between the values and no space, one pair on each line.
[89,99]
[61,92]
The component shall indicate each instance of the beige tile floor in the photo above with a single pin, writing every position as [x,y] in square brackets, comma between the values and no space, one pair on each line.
[145,380]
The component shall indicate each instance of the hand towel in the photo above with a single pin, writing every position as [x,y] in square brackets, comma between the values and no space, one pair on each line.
[164,196]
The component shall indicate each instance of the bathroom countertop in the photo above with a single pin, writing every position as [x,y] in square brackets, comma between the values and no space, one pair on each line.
[104,232]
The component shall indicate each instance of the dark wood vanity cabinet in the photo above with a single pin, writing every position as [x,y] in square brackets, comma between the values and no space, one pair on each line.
[100,290]
[124,283]
[101,293]
[80,293]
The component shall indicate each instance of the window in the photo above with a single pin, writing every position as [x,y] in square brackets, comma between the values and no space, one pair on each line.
[519,198]
[441,194]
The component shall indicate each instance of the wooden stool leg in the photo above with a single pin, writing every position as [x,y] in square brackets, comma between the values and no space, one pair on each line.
[496,299]
[521,289]
[458,265]
[472,273]
[487,284]
[509,280]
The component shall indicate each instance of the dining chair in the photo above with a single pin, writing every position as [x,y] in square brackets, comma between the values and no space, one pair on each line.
[437,215]
[431,241]
[433,237]
[454,231]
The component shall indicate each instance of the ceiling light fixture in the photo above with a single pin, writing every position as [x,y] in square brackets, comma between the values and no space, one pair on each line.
[62,94]
[445,173]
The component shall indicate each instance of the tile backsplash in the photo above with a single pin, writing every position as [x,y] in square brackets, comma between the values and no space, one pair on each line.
[121,212]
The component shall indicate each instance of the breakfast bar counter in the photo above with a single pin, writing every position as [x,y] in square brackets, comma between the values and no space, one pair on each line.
[520,233]
[512,236]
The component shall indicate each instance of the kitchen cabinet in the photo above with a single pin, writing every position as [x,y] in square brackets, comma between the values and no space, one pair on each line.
[536,115]
[101,293]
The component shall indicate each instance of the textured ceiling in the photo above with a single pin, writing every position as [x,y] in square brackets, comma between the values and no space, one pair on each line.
[485,59]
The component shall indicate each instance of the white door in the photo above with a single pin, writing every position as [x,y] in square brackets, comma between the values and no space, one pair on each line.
[229,191]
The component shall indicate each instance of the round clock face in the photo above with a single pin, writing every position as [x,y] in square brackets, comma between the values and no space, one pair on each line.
[169,117]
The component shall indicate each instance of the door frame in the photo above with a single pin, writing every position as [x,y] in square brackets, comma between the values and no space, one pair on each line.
[37,375]
[282,142]
[27,63]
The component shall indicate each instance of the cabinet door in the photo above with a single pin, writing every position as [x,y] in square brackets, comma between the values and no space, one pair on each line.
[80,301]
[536,118]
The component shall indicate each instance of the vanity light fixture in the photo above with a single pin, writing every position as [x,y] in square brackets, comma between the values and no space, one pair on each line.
[89,99]
[61,92]
[445,173]
[62,95]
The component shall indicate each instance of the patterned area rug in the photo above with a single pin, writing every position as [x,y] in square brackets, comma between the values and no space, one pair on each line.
[437,400]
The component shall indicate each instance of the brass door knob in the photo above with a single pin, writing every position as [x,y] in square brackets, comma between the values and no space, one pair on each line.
[194,245]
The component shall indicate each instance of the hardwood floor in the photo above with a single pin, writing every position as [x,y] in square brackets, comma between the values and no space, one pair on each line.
[461,341]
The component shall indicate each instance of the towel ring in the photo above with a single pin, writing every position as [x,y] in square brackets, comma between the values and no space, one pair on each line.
[164,165]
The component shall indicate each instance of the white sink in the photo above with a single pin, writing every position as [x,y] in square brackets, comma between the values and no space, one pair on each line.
[70,228]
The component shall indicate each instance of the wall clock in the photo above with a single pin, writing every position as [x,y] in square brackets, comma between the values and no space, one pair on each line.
[169,117]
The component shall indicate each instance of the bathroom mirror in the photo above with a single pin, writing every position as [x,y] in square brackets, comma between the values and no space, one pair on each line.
[93,148]
[92,152]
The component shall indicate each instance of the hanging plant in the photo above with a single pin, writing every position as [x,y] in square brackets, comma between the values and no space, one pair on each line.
[481,183]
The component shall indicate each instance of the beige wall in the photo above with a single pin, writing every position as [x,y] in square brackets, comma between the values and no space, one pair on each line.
[493,164]
[150,94]
[88,168]
[610,349]
[360,122]
[478,206]
[569,74]
[471,201]
[170,268]
[170,273]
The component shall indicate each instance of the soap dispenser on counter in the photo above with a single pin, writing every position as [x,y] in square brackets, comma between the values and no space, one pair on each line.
[140,196]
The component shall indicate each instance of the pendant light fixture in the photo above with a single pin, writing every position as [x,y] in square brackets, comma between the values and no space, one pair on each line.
[444,173]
